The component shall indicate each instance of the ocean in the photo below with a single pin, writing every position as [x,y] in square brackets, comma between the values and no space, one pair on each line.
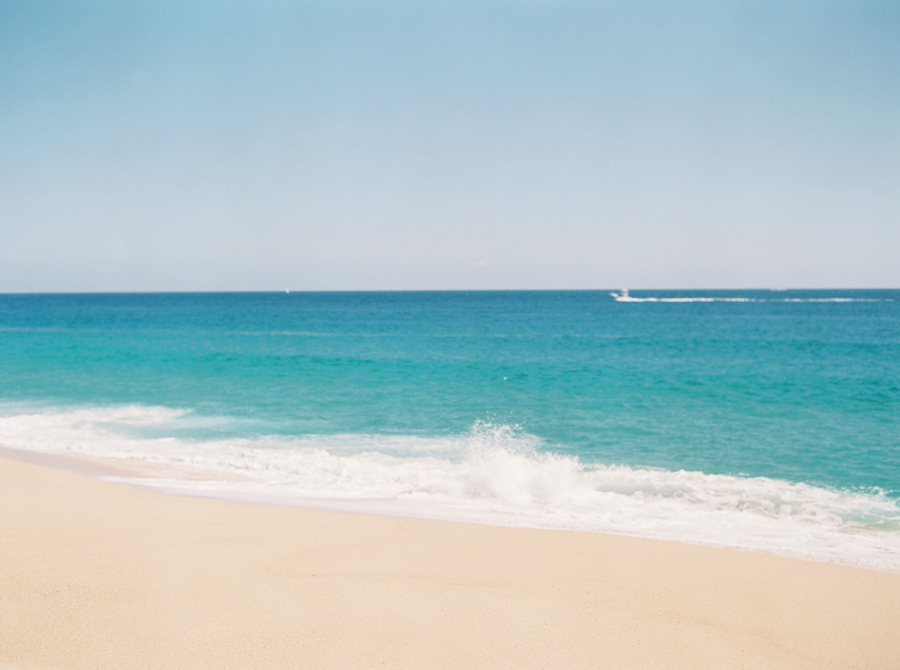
[762,420]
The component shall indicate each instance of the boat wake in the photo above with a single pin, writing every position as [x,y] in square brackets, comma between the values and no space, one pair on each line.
[625,296]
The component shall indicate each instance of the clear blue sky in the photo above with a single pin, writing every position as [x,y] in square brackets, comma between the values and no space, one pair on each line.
[156,145]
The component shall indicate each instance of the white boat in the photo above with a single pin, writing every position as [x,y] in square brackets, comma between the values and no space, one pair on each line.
[622,297]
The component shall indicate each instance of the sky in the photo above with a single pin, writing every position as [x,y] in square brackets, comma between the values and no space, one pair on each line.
[375,145]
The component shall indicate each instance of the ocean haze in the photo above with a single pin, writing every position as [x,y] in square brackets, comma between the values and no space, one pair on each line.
[377,146]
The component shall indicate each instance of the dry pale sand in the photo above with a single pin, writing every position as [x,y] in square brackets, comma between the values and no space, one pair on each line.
[93,575]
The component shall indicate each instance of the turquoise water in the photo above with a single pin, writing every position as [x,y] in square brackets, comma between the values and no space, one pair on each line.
[560,409]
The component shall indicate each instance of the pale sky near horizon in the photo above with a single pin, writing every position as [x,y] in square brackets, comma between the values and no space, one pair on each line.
[361,145]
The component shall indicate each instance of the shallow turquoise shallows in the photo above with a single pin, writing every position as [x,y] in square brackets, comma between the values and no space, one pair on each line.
[660,413]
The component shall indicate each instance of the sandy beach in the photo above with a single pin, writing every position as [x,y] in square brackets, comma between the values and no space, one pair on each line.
[94,575]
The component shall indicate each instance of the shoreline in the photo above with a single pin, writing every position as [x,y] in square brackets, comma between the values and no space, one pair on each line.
[95,574]
[151,478]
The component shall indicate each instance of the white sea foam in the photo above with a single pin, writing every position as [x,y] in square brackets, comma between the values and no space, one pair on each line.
[492,474]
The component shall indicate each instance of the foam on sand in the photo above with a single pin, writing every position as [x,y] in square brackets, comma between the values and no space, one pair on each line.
[96,575]
[494,474]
